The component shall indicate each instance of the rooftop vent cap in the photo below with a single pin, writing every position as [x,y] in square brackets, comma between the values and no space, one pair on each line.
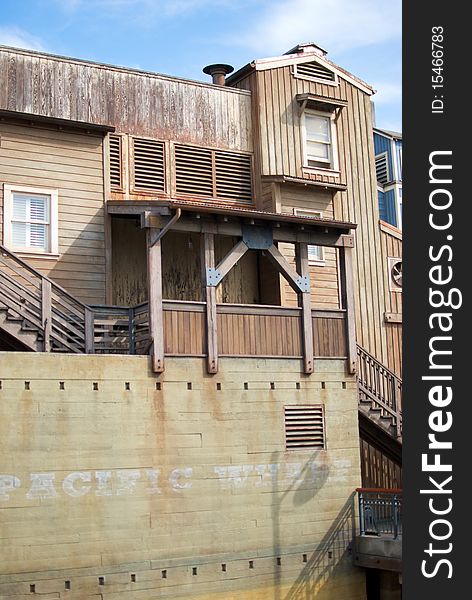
[307,47]
[218,72]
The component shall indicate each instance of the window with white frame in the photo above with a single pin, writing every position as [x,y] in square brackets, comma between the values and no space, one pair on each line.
[315,253]
[320,139]
[30,221]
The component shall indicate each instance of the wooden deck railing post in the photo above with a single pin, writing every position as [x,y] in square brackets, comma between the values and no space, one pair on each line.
[208,262]
[46,313]
[156,315]
[89,331]
[347,289]
[132,330]
[306,316]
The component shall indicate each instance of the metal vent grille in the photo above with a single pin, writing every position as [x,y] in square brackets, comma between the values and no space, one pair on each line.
[315,70]
[233,176]
[116,180]
[381,168]
[193,170]
[304,427]
[148,165]
[213,173]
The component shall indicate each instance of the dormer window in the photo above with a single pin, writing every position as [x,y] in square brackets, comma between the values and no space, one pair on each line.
[319,140]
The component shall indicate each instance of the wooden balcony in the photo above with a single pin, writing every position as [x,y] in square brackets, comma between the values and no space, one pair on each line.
[242,330]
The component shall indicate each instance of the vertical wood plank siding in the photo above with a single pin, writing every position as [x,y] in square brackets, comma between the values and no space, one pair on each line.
[392,247]
[264,331]
[378,470]
[134,102]
[72,163]
[279,120]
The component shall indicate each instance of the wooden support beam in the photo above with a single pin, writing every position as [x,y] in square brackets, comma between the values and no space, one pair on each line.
[208,262]
[89,331]
[305,301]
[297,282]
[347,291]
[46,313]
[230,260]
[156,315]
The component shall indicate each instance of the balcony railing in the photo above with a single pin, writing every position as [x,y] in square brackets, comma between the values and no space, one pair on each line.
[380,511]
[243,330]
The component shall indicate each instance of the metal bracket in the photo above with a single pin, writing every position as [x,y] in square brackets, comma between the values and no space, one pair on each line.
[303,283]
[213,277]
[257,238]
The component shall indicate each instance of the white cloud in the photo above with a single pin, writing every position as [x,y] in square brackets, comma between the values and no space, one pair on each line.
[387,92]
[142,9]
[337,25]
[19,38]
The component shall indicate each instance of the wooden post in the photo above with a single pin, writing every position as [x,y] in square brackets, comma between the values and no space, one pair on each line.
[208,262]
[156,314]
[132,330]
[347,286]
[46,313]
[305,300]
[89,331]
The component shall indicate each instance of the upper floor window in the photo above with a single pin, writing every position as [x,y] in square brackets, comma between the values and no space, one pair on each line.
[30,219]
[315,253]
[319,134]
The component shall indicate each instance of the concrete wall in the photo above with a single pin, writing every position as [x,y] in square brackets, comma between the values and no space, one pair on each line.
[105,475]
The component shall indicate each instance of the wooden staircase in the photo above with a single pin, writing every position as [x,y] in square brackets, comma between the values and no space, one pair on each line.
[39,315]
[380,394]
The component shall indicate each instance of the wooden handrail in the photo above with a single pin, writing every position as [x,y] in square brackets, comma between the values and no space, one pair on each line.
[385,368]
[62,320]
[32,270]
[381,386]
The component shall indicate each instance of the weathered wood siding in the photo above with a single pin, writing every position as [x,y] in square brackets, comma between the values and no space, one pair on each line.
[276,118]
[378,470]
[134,102]
[324,277]
[73,164]
[181,270]
[391,239]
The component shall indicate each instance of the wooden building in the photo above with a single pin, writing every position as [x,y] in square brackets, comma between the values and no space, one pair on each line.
[232,233]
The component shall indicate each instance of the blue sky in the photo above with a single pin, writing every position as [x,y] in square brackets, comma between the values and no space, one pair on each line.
[179,37]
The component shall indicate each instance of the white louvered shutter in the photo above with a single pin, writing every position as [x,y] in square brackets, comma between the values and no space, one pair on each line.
[31,221]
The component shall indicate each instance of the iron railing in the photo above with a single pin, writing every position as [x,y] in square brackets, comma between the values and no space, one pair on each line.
[120,329]
[380,511]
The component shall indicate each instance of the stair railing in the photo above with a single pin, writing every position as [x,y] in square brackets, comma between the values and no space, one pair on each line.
[63,323]
[380,386]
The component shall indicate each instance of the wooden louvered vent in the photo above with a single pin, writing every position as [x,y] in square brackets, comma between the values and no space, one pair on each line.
[193,171]
[315,70]
[233,176]
[304,427]
[215,174]
[148,165]
[116,180]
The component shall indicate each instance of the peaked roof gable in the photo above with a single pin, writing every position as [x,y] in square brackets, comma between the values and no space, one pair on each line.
[307,56]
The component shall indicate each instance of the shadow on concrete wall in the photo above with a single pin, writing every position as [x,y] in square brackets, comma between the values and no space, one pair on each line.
[336,543]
